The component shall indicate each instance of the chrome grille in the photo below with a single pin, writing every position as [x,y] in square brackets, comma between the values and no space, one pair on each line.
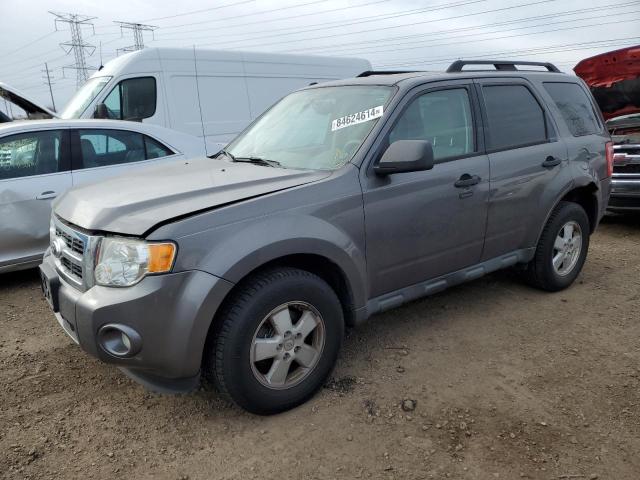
[71,250]
[75,244]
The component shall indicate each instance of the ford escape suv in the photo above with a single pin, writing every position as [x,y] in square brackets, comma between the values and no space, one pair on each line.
[342,200]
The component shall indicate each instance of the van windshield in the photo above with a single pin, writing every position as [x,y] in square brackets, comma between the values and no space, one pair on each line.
[83,97]
[317,129]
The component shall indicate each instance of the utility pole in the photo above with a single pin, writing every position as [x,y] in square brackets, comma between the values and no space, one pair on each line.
[138,37]
[79,47]
[48,79]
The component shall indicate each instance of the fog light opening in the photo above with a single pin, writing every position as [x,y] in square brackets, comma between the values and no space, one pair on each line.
[119,340]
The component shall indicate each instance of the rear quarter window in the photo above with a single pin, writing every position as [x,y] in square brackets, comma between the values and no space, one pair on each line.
[576,108]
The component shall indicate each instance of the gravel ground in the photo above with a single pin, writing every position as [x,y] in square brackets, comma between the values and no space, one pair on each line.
[488,380]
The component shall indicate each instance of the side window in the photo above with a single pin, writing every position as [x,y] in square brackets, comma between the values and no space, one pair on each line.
[33,153]
[155,149]
[443,117]
[515,116]
[575,107]
[100,148]
[132,99]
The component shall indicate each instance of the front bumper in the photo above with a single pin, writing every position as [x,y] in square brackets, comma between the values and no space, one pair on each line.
[171,313]
[625,194]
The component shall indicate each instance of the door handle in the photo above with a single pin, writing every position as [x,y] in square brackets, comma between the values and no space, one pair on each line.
[551,162]
[49,194]
[467,180]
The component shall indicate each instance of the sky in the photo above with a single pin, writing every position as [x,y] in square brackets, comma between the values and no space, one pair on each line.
[392,34]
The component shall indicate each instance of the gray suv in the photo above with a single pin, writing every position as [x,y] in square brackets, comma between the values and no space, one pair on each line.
[341,201]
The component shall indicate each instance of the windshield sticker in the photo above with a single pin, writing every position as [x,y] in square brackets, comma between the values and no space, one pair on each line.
[356,118]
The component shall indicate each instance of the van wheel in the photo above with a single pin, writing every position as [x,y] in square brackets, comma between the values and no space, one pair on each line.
[562,249]
[276,341]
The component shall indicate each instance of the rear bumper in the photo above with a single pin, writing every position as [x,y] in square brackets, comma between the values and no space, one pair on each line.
[171,314]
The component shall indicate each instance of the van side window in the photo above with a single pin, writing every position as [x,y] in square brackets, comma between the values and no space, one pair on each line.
[575,107]
[442,117]
[132,99]
[515,117]
[32,153]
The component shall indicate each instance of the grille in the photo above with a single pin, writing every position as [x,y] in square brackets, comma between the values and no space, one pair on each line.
[75,244]
[71,267]
[70,250]
[632,168]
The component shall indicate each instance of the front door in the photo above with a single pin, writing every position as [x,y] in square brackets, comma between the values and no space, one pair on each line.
[420,225]
[34,169]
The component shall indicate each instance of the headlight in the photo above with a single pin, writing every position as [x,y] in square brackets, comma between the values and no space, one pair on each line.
[123,262]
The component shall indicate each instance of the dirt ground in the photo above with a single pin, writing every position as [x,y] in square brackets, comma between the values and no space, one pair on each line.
[507,382]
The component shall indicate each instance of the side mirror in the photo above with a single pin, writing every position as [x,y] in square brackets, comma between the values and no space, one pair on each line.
[406,156]
[101,111]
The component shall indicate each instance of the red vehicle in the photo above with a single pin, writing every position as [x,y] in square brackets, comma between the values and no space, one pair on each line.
[614,79]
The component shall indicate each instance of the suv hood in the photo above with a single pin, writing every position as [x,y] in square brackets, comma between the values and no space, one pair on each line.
[614,79]
[33,109]
[134,203]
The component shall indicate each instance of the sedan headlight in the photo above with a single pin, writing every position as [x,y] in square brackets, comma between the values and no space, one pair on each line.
[122,262]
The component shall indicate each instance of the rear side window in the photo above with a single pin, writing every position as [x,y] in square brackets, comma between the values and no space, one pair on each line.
[515,117]
[155,149]
[132,99]
[33,153]
[575,107]
[100,148]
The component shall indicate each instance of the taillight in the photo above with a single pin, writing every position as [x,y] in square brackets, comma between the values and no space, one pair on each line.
[609,156]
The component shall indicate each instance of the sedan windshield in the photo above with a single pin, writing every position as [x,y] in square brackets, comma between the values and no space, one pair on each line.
[317,129]
[83,97]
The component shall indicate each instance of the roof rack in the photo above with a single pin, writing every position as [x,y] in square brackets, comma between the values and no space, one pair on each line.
[370,73]
[500,65]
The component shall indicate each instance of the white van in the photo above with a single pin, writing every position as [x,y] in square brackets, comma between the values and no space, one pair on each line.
[207,93]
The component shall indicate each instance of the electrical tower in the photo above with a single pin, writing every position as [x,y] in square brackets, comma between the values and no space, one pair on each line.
[138,37]
[79,47]
[48,78]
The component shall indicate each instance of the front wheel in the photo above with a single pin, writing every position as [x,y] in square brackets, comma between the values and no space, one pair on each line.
[276,341]
[561,250]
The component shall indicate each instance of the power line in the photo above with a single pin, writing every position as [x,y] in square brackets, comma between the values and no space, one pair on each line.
[332,47]
[342,34]
[530,51]
[193,12]
[269,20]
[79,47]
[525,34]
[262,12]
[22,47]
[138,38]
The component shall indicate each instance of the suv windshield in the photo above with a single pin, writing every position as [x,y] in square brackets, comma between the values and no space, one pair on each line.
[317,129]
[83,97]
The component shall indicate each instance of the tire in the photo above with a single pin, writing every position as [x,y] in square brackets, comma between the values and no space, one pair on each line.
[541,272]
[253,323]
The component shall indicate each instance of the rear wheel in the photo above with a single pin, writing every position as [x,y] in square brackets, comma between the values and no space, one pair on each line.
[276,341]
[561,250]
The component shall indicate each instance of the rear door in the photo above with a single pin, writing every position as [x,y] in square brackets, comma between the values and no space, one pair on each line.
[528,161]
[420,225]
[34,169]
[103,153]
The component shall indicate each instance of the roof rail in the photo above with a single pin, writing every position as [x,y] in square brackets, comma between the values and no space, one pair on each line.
[370,73]
[500,65]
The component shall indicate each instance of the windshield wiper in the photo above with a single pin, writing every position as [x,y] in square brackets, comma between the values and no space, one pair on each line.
[258,161]
[224,152]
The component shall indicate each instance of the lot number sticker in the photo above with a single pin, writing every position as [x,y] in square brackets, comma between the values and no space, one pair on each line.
[356,118]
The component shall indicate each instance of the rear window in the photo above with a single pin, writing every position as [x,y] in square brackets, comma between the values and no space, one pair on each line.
[515,117]
[575,107]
